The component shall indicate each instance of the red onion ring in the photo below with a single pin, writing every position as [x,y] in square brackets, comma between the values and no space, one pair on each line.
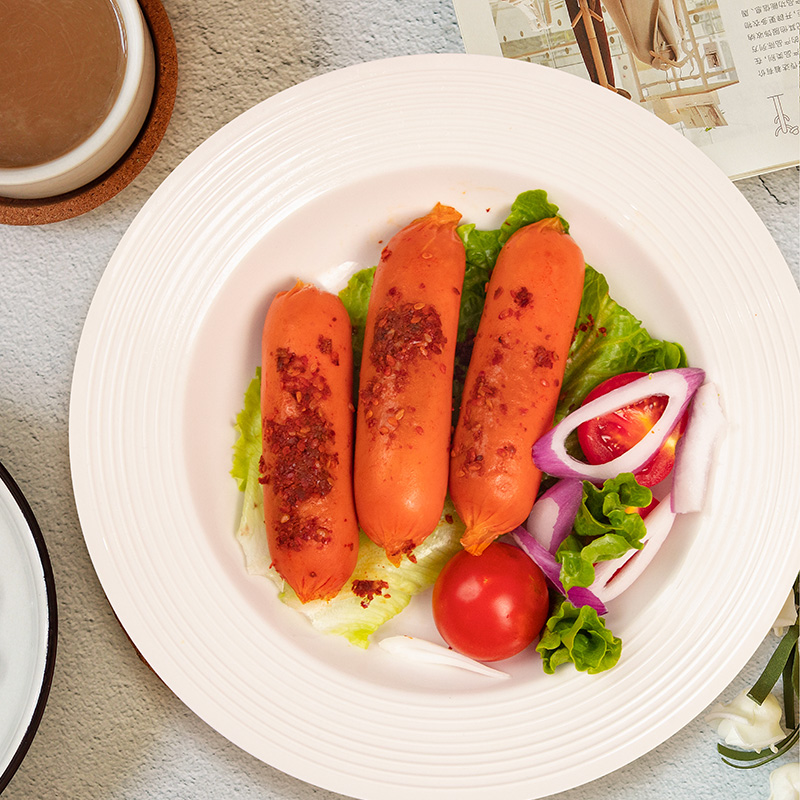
[546,561]
[679,385]
[552,515]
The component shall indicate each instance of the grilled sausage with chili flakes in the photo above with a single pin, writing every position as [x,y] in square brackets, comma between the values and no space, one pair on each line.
[307,430]
[406,383]
[514,379]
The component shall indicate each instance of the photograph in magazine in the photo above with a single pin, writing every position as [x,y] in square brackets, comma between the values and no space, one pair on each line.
[724,74]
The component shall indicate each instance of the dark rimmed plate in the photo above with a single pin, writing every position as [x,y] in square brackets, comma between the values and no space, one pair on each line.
[28,626]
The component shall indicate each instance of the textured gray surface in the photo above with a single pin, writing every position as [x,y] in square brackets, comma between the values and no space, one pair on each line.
[111,729]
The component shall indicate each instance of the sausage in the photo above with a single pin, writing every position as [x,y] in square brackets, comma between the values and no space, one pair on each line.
[513,379]
[403,422]
[307,431]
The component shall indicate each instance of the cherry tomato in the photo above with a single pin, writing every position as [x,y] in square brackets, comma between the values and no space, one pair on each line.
[610,435]
[492,606]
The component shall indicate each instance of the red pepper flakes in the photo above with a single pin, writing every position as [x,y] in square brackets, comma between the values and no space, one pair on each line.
[507,451]
[584,326]
[448,518]
[296,533]
[369,590]
[542,357]
[482,397]
[483,392]
[370,395]
[522,297]
[473,463]
[404,333]
[407,550]
[302,445]
[325,346]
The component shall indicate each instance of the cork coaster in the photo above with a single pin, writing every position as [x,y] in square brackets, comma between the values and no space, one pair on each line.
[72,204]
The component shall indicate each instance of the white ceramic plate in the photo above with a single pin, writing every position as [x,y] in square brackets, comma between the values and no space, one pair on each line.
[28,626]
[320,175]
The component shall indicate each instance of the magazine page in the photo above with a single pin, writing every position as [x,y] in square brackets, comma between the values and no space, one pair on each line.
[725,74]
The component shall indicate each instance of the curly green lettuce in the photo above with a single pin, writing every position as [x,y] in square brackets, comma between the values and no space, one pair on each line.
[606,527]
[580,636]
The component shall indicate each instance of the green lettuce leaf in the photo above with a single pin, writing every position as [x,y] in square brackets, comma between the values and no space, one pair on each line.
[483,247]
[609,340]
[355,297]
[251,533]
[605,528]
[579,636]
[248,428]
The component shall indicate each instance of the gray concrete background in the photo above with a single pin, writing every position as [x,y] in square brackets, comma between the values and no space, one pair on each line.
[112,730]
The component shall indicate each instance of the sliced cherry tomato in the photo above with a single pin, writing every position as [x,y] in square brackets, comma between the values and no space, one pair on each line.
[492,606]
[610,435]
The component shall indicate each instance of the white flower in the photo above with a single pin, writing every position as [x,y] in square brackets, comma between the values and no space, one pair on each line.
[784,782]
[787,616]
[746,724]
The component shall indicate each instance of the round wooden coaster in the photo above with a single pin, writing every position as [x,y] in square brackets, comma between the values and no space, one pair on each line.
[113,181]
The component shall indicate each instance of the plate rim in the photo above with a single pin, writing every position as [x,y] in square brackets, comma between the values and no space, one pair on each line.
[52,628]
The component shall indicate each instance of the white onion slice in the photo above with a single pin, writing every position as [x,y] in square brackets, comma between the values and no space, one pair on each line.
[612,578]
[679,385]
[695,450]
[431,653]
